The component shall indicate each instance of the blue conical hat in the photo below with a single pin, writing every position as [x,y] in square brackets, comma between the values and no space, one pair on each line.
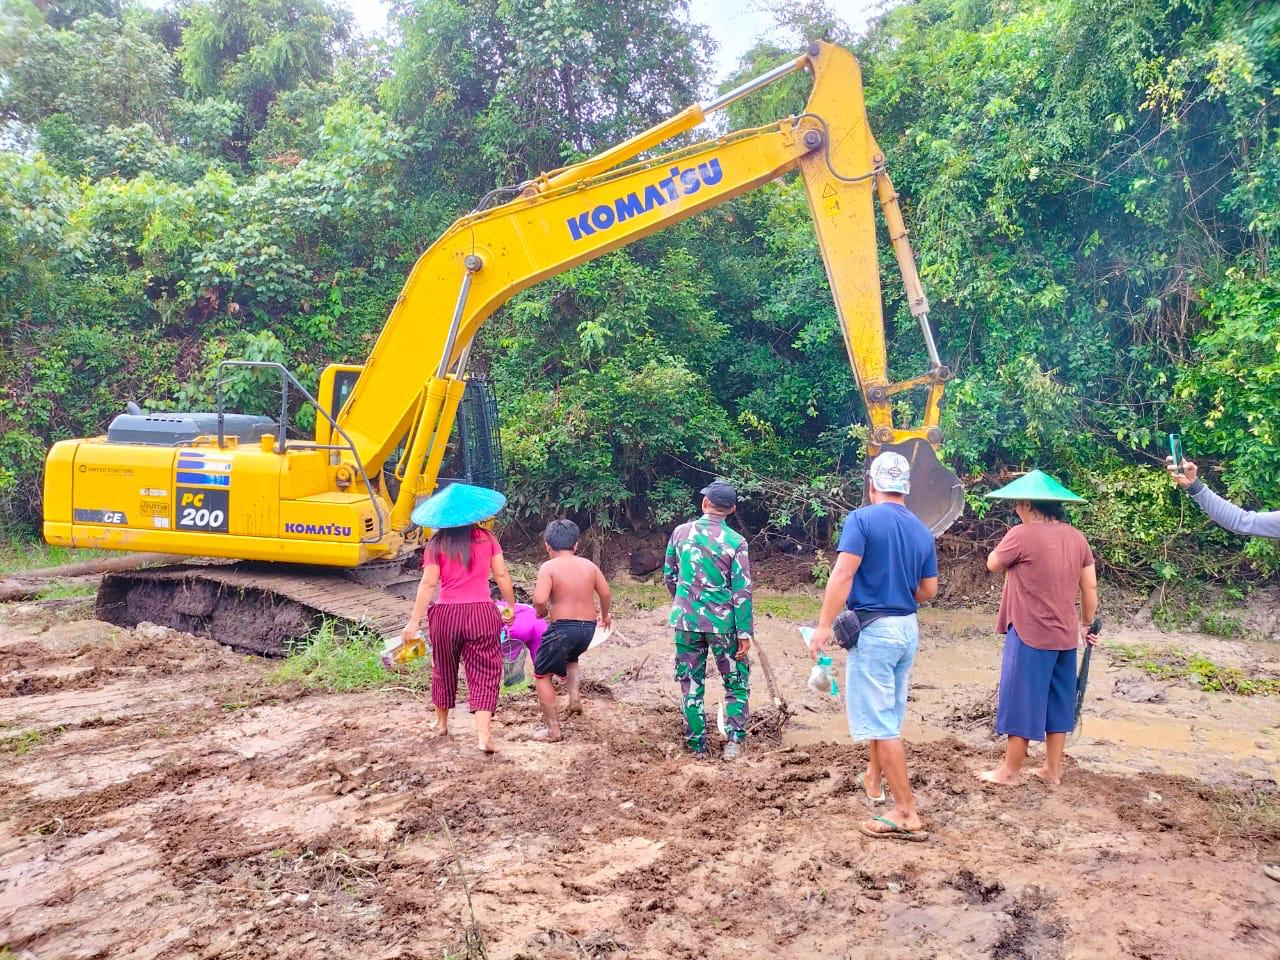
[458,505]
[1036,485]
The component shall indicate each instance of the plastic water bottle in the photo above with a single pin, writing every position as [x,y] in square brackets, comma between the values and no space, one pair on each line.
[822,677]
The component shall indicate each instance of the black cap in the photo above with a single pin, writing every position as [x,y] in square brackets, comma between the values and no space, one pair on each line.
[721,494]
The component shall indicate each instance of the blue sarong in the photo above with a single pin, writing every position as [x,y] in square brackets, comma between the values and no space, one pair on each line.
[1037,690]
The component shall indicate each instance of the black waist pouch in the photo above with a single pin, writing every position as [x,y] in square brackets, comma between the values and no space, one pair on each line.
[849,623]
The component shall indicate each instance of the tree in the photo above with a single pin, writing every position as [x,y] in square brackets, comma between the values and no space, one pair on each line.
[251,51]
[505,88]
[99,71]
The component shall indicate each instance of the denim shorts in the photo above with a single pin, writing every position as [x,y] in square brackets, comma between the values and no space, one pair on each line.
[876,678]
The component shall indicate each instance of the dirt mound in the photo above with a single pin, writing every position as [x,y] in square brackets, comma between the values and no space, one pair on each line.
[83,654]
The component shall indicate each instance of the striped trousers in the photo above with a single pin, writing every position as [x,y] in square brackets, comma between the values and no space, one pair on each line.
[466,632]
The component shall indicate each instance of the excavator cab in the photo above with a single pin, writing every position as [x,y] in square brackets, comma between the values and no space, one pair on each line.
[474,450]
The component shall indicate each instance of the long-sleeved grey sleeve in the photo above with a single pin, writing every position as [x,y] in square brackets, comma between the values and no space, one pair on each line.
[1226,514]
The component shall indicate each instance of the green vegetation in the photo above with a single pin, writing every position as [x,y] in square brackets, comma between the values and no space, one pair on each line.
[336,659]
[26,554]
[795,607]
[28,740]
[340,660]
[68,591]
[517,688]
[1219,623]
[21,743]
[1174,664]
[639,597]
[1093,190]
[1201,607]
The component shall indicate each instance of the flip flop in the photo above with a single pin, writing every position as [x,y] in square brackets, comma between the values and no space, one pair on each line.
[1272,870]
[884,791]
[894,832]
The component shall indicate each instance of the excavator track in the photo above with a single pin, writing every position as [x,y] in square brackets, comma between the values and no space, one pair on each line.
[256,608]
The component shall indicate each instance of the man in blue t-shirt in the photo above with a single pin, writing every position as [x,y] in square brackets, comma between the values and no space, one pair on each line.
[885,567]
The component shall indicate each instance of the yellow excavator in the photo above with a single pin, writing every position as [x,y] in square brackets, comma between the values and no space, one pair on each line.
[321,528]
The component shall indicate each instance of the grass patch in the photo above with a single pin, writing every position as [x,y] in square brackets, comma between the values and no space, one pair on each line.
[1251,815]
[1219,623]
[33,555]
[1174,664]
[640,597]
[643,597]
[67,591]
[340,659]
[787,606]
[22,743]
[517,688]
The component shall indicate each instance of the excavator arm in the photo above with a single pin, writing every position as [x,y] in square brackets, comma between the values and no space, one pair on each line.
[233,486]
[583,211]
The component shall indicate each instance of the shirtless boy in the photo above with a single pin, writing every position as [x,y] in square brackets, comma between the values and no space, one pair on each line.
[567,587]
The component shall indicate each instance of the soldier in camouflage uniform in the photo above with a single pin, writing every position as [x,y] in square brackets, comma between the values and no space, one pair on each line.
[708,574]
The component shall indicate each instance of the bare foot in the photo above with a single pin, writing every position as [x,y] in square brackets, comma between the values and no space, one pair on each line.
[438,730]
[999,776]
[574,709]
[486,746]
[1044,774]
[544,735]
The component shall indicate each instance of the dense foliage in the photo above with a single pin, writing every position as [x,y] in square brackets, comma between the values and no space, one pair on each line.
[1093,191]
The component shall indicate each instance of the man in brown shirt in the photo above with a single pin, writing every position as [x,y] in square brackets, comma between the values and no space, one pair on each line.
[1047,563]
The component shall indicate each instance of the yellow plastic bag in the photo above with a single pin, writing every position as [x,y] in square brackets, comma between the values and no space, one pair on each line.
[396,653]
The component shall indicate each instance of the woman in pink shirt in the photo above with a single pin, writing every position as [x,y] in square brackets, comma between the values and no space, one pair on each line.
[463,622]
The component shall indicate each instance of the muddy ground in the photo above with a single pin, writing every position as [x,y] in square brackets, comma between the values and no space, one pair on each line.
[160,797]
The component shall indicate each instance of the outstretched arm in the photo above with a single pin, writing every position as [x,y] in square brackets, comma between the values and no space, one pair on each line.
[1249,523]
[1224,513]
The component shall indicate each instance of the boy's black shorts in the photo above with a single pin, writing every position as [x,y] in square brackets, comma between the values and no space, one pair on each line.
[563,643]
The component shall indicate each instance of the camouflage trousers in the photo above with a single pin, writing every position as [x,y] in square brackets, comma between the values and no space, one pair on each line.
[691,674]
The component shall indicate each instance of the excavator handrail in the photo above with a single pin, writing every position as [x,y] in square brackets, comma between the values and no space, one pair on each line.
[287,378]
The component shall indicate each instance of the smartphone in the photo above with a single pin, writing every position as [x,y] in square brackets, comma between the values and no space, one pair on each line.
[1175,450]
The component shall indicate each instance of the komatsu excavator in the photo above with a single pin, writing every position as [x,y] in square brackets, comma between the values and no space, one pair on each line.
[320,527]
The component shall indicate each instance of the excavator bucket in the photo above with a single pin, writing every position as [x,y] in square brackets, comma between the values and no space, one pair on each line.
[937,496]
